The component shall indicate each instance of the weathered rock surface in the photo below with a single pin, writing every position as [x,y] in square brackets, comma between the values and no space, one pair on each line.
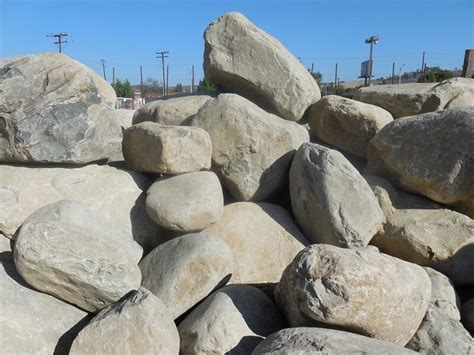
[172,111]
[232,320]
[137,324]
[251,149]
[327,194]
[78,265]
[55,110]
[467,315]
[298,341]
[263,238]
[155,148]
[184,270]
[430,154]
[356,290]
[187,203]
[345,123]
[443,294]
[439,334]
[454,93]
[116,194]
[240,57]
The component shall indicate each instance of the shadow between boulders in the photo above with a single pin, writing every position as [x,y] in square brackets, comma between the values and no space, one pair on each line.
[65,341]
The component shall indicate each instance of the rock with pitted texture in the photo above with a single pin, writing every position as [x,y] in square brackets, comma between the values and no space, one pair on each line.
[155,148]
[251,149]
[355,290]
[240,57]
[443,294]
[137,324]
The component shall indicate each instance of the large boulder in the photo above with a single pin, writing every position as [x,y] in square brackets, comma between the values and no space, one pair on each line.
[327,193]
[249,229]
[233,320]
[240,57]
[137,324]
[439,334]
[430,154]
[345,123]
[55,110]
[186,203]
[454,93]
[173,111]
[155,148]
[299,341]
[251,149]
[443,294]
[184,270]
[116,194]
[32,322]
[360,291]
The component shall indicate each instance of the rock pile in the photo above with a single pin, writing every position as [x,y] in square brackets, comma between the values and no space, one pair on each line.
[228,226]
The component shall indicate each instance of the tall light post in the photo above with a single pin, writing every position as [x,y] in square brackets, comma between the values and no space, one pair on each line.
[372,40]
[399,74]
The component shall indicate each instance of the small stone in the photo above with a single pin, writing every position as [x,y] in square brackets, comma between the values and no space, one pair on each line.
[443,294]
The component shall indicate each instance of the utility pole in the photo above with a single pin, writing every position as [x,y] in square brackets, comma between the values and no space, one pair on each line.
[113,75]
[372,40]
[312,68]
[400,74]
[192,79]
[423,67]
[60,40]
[335,82]
[167,79]
[141,81]
[163,55]
[103,68]
[393,73]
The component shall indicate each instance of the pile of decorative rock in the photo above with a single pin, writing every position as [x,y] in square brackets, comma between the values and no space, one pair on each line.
[229,227]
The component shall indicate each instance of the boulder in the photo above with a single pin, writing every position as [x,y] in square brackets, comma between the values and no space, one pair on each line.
[251,149]
[155,148]
[249,229]
[430,154]
[440,334]
[232,320]
[184,270]
[298,341]
[186,203]
[240,57]
[443,294]
[454,93]
[76,264]
[137,324]
[345,123]
[32,322]
[116,194]
[327,193]
[172,111]
[467,315]
[355,290]
[55,110]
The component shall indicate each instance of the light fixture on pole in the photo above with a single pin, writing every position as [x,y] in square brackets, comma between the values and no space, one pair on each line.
[372,40]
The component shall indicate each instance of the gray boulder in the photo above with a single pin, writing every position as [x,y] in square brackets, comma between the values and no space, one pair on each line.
[443,294]
[455,93]
[430,154]
[251,149]
[233,320]
[327,193]
[355,290]
[240,57]
[137,324]
[172,111]
[55,110]
[184,270]
[186,203]
[155,148]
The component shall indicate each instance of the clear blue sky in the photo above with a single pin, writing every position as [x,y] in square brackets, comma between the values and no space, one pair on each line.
[128,33]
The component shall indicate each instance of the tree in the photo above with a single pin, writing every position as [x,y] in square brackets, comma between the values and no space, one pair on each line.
[436,75]
[123,88]
[178,88]
[206,86]
[152,87]
[317,76]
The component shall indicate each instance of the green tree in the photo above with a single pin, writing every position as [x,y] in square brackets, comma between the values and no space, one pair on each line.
[317,76]
[206,86]
[436,75]
[152,87]
[178,88]
[123,88]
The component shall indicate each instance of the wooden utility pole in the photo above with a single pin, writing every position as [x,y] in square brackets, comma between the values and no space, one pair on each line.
[60,40]
[163,55]
[335,82]
[312,68]
[103,68]
[113,75]
[393,73]
[167,79]
[141,81]
[192,79]
[423,67]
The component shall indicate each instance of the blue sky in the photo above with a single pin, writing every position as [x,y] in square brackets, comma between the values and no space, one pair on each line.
[128,33]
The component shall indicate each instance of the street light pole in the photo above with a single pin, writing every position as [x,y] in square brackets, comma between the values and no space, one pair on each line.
[372,40]
[399,74]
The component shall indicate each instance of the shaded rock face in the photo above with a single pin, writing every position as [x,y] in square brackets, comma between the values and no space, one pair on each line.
[240,57]
[430,154]
[154,148]
[172,111]
[359,291]
[327,193]
[443,294]
[440,334]
[55,110]
[467,315]
[251,149]
[250,229]
[232,320]
[183,271]
[296,341]
[32,322]
[345,123]
[137,324]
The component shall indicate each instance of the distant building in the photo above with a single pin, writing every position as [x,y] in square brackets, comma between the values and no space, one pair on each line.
[130,103]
